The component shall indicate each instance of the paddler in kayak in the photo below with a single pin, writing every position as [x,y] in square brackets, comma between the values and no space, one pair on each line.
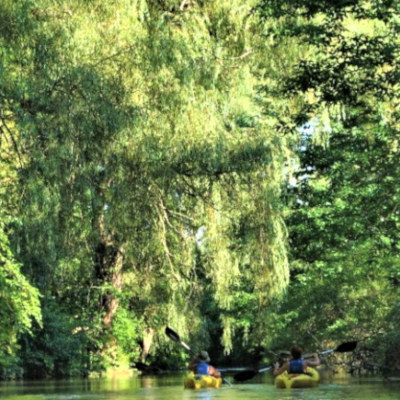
[297,364]
[200,365]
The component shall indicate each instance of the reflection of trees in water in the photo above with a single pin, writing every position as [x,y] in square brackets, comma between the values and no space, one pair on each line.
[147,382]
[199,394]
[206,395]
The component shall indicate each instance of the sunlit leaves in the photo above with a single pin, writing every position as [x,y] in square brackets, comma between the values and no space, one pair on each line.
[19,304]
[140,125]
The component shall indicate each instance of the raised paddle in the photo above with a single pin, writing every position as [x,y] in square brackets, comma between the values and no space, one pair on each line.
[342,348]
[175,337]
[251,373]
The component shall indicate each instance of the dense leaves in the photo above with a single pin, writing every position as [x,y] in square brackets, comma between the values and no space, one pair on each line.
[144,147]
[342,216]
[19,305]
[140,163]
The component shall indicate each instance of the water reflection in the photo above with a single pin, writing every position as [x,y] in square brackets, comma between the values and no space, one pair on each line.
[171,388]
[199,394]
[146,382]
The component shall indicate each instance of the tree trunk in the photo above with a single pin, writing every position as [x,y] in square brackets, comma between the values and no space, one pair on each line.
[112,300]
[109,263]
[147,342]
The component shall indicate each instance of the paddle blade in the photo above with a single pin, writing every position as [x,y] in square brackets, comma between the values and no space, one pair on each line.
[345,347]
[245,375]
[175,337]
[172,334]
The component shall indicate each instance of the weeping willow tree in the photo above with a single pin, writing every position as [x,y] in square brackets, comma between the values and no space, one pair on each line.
[147,168]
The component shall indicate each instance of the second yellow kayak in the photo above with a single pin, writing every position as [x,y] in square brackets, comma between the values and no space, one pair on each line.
[310,379]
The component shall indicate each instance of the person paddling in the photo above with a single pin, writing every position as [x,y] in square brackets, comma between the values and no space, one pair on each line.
[297,364]
[200,365]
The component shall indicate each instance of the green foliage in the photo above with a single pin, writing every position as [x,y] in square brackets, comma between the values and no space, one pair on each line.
[19,306]
[131,127]
[144,146]
[342,204]
[58,349]
[127,332]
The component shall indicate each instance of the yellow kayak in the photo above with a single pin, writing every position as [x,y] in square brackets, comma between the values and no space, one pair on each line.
[202,382]
[285,380]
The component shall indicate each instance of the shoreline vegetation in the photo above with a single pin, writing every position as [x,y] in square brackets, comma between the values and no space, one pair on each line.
[226,167]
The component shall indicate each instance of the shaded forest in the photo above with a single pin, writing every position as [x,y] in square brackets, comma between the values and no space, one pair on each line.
[226,168]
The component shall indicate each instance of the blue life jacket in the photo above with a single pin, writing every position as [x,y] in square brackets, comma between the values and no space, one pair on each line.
[202,368]
[296,366]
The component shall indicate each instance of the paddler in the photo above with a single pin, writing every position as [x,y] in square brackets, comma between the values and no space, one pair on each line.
[200,365]
[297,364]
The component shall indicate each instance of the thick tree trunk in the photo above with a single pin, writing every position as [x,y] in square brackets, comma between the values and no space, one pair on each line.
[109,263]
[146,344]
[112,301]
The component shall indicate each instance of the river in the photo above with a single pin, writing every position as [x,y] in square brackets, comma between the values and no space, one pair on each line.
[170,387]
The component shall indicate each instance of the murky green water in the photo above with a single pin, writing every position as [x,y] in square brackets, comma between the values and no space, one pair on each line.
[171,388]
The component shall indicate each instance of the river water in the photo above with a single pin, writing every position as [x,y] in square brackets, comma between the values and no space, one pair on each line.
[170,387]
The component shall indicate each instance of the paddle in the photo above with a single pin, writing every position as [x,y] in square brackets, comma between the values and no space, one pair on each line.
[175,337]
[342,348]
[248,374]
[251,373]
